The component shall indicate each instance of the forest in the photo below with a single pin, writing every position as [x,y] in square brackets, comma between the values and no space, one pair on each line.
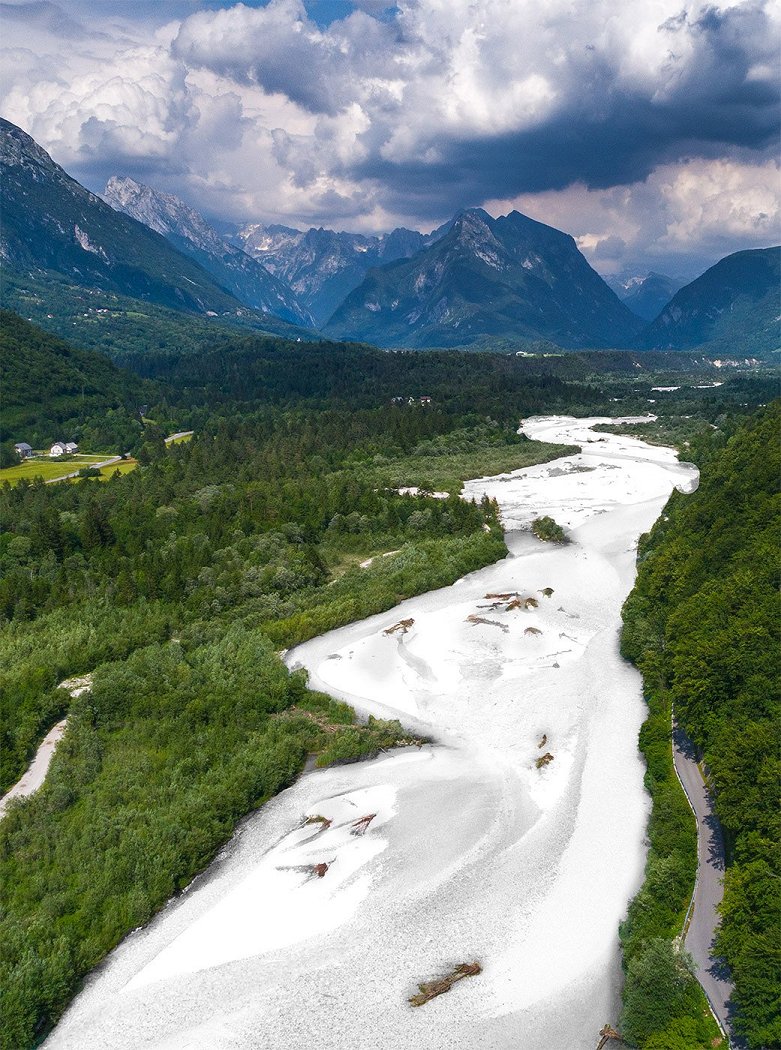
[176,585]
[702,624]
[53,390]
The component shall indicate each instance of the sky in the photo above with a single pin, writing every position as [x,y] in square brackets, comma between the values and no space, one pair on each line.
[648,129]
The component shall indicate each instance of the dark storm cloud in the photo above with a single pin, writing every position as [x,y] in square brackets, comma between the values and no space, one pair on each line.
[605,136]
[640,115]
[621,150]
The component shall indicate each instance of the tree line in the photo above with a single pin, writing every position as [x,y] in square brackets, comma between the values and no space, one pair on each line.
[702,624]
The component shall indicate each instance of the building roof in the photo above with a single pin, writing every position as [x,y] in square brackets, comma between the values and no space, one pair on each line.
[22,445]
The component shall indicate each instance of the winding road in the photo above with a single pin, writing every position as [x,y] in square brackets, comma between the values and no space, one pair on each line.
[703,920]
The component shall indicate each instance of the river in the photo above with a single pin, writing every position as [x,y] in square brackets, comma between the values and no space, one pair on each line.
[480,847]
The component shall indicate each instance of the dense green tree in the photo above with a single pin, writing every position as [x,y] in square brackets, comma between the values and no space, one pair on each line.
[703,626]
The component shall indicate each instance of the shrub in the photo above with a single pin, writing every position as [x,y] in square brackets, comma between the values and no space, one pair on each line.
[545,528]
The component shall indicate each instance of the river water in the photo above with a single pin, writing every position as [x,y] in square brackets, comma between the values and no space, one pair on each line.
[474,852]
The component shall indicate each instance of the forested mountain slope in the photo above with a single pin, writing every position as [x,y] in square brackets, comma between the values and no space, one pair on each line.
[732,308]
[703,626]
[103,320]
[51,389]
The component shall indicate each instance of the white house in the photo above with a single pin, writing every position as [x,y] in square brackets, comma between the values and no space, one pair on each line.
[63,448]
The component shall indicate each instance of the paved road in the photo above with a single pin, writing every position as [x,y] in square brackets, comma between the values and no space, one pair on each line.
[712,972]
[178,434]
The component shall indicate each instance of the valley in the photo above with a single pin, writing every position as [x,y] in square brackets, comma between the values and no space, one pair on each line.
[389,502]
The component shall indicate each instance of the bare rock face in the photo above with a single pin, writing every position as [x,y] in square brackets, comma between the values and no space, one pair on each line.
[191,234]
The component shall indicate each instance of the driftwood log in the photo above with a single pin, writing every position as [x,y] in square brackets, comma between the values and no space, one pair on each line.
[402,627]
[360,825]
[606,1034]
[429,990]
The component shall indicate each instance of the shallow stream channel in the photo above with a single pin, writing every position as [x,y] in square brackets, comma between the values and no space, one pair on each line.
[515,840]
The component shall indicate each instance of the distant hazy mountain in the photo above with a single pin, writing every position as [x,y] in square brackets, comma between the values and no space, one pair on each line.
[191,234]
[51,223]
[510,277]
[646,295]
[322,266]
[734,306]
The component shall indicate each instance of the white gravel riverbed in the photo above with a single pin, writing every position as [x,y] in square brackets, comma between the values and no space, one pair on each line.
[473,852]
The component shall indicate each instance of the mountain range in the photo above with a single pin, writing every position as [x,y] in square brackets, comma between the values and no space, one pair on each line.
[646,295]
[188,231]
[322,266]
[474,281]
[509,276]
[52,223]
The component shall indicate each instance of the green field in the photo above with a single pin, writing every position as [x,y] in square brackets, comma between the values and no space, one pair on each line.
[179,440]
[49,469]
[124,467]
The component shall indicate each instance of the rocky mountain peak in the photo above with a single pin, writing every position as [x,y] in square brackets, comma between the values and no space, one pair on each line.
[162,212]
[17,148]
[506,277]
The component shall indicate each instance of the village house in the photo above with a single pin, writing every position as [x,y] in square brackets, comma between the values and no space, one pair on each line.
[23,450]
[63,448]
[411,400]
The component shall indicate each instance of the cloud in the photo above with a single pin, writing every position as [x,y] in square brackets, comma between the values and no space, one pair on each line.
[130,113]
[520,101]
[679,219]
[378,114]
[279,48]
[610,247]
